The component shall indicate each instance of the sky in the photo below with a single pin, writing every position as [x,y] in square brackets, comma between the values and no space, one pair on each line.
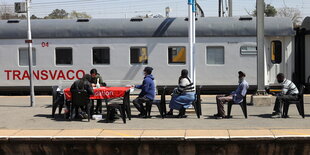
[131,8]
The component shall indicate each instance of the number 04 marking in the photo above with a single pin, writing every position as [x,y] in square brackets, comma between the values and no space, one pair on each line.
[44,44]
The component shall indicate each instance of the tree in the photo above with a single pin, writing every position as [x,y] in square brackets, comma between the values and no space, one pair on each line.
[75,14]
[270,11]
[33,17]
[57,14]
[292,13]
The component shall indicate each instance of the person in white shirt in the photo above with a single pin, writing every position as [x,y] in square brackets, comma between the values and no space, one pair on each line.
[289,93]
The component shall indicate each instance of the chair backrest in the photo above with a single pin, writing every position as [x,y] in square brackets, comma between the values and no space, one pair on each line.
[301,92]
[80,98]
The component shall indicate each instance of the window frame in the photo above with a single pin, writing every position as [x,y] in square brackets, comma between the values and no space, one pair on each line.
[245,54]
[92,55]
[139,47]
[55,60]
[206,55]
[33,55]
[177,63]
[271,52]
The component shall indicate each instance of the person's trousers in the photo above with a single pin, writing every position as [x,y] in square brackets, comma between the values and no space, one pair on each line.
[220,101]
[280,100]
[98,108]
[138,103]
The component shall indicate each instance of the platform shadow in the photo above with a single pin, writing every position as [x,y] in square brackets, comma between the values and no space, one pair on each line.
[12,106]
[262,115]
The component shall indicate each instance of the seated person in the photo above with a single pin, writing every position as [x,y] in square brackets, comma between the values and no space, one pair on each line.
[147,93]
[183,95]
[80,85]
[96,78]
[235,96]
[289,93]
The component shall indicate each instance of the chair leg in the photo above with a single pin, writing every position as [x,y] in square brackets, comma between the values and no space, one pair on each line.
[244,109]
[148,108]
[302,110]
[54,109]
[196,107]
[229,109]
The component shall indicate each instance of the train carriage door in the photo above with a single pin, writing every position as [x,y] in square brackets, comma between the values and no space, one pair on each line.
[275,61]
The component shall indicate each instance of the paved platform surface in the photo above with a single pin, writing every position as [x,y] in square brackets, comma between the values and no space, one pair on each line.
[16,114]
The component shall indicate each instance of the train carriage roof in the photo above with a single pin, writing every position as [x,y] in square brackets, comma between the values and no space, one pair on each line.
[148,27]
[306,24]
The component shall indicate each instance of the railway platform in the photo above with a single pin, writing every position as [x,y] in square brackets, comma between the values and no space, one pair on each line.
[25,129]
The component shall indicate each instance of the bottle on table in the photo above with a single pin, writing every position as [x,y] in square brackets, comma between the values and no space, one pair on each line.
[97,84]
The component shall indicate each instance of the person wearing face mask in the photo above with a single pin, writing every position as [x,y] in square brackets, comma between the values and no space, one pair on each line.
[147,93]
[289,93]
[235,96]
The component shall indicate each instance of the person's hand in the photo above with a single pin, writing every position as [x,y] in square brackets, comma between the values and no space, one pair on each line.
[93,85]
[132,86]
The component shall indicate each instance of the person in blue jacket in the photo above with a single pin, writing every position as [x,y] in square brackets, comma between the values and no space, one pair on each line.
[147,93]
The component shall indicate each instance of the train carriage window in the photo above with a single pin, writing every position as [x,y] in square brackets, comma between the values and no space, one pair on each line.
[276,52]
[101,55]
[23,57]
[248,50]
[215,55]
[64,56]
[138,55]
[177,55]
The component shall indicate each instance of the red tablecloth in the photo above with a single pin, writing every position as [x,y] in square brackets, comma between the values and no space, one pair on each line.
[102,92]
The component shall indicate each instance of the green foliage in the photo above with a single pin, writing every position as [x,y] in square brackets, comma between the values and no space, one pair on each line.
[57,14]
[270,11]
[75,14]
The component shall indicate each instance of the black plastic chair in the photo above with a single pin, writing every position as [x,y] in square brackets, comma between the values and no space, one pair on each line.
[197,103]
[161,105]
[80,99]
[299,104]
[243,106]
[58,100]
[117,105]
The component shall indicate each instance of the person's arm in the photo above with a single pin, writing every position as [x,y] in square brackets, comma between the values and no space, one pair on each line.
[146,85]
[140,86]
[89,89]
[101,81]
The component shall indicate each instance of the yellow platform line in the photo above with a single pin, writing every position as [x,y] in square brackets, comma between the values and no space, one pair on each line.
[292,133]
[117,133]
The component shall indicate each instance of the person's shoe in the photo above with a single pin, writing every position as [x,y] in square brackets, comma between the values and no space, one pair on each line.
[276,115]
[142,115]
[170,113]
[216,115]
[227,117]
[85,115]
[220,117]
[181,113]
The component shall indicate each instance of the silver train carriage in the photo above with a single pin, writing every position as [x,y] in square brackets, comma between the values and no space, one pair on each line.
[302,54]
[65,50]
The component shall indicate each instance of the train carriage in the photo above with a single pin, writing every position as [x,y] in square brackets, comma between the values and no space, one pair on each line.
[64,50]
[302,48]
